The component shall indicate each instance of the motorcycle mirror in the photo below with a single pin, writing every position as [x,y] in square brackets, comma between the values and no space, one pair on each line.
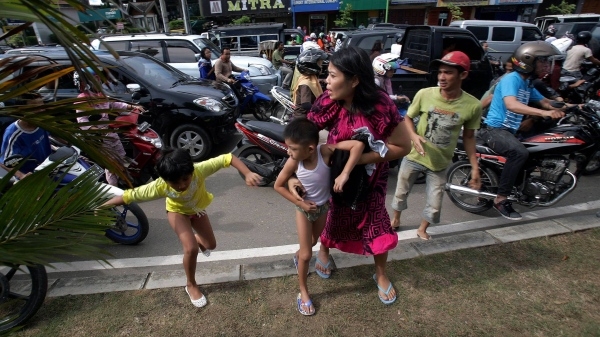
[13,161]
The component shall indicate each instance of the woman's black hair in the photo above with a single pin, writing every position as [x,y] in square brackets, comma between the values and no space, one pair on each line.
[174,164]
[204,51]
[353,61]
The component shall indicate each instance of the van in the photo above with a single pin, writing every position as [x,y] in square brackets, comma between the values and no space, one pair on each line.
[503,37]
[544,21]
[183,51]
[245,39]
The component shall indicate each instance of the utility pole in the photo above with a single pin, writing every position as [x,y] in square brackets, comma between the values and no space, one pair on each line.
[186,19]
[165,15]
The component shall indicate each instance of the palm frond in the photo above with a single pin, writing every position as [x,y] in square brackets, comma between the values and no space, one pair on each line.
[39,223]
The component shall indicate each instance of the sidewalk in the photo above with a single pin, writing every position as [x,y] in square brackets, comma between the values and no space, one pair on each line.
[493,231]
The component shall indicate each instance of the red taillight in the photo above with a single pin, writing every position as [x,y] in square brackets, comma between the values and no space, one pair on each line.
[598,93]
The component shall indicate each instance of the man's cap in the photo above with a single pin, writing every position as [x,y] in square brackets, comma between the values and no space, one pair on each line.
[455,58]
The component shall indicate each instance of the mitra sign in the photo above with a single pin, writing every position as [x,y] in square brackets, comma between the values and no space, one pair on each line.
[242,7]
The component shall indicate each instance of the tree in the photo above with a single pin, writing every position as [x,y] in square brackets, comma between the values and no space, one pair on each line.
[39,225]
[456,12]
[345,18]
[241,20]
[562,8]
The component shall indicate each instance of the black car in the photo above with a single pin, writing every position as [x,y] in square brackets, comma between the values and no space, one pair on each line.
[365,38]
[187,113]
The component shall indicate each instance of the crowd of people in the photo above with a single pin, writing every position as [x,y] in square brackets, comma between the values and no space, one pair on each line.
[339,188]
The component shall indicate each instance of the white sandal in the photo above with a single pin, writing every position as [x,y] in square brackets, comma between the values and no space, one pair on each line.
[199,303]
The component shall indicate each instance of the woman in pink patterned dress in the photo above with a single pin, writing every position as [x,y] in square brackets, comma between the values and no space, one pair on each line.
[353,100]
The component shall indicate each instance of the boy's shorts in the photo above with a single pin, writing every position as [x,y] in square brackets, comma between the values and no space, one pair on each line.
[313,216]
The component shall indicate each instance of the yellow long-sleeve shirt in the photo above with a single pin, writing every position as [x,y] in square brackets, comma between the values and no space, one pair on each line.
[191,201]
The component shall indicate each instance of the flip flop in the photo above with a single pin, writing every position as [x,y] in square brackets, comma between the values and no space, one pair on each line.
[307,304]
[325,266]
[199,303]
[386,292]
[296,265]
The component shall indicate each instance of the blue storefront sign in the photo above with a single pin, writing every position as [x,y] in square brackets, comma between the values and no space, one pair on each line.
[99,15]
[514,2]
[301,6]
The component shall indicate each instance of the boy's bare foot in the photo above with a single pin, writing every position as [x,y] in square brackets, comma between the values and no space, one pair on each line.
[395,224]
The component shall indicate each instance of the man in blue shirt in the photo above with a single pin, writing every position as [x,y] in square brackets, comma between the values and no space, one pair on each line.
[26,140]
[509,104]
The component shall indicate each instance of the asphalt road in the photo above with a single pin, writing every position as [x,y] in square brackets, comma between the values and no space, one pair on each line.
[254,217]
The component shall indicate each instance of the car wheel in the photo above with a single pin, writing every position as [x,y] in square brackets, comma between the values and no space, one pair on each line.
[192,138]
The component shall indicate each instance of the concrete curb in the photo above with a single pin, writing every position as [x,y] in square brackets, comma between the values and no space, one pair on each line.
[284,267]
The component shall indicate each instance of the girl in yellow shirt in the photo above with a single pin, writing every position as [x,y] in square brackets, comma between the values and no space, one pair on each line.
[182,183]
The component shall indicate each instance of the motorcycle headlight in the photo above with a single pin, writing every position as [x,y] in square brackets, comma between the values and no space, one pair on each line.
[209,103]
[156,142]
[263,69]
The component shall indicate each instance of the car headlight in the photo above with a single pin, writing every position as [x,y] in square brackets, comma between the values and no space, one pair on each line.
[262,68]
[209,103]
[156,142]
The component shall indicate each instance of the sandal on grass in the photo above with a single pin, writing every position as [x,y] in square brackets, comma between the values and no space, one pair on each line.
[325,266]
[296,265]
[308,304]
[199,303]
[386,292]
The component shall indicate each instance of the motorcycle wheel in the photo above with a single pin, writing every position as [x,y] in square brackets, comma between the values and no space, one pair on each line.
[129,230]
[259,157]
[459,173]
[593,166]
[262,111]
[281,113]
[21,295]
[192,138]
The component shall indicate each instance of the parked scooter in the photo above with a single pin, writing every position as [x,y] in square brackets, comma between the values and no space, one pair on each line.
[282,113]
[264,150]
[20,303]
[546,177]
[251,100]
[142,145]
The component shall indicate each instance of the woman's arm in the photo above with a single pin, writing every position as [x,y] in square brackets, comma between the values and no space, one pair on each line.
[398,146]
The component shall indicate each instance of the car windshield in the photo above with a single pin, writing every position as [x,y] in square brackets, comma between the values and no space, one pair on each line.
[157,73]
[214,50]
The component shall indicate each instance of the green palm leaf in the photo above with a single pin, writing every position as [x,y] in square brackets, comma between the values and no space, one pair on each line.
[39,224]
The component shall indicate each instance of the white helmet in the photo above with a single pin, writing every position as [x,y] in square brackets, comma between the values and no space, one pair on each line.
[385,62]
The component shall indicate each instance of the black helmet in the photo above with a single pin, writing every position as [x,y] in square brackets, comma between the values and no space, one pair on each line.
[307,61]
[524,58]
[583,37]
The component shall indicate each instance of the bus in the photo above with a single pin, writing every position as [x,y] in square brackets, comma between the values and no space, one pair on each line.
[544,21]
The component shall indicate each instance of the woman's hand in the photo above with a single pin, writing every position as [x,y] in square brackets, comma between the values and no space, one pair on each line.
[294,185]
[339,182]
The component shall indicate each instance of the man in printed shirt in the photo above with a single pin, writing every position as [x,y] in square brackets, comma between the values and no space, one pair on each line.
[443,112]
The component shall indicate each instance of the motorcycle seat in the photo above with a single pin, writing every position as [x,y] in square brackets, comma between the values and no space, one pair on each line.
[282,91]
[484,149]
[269,129]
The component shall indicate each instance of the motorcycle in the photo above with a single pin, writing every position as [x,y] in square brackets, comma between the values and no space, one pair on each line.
[587,88]
[263,149]
[282,113]
[142,145]
[251,100]
[23,288]
[545,178]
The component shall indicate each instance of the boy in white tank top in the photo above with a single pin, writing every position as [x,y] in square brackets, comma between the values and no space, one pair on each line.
[311,164]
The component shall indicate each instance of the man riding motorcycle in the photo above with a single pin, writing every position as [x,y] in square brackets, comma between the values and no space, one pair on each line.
[508,106]
[577,54]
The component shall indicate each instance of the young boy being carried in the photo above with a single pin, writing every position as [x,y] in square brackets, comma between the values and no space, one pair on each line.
[311,163]
[181,182]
